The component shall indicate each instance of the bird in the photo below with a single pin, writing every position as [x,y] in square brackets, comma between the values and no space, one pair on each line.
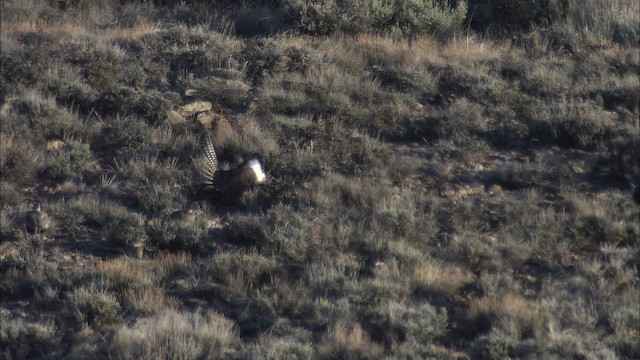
[37,220]
[229,185]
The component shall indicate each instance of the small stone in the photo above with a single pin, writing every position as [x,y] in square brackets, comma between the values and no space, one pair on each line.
[417,107]
[194,108]
[54,145]
[494,189]
[174,117]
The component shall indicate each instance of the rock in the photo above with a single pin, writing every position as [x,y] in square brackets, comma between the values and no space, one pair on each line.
[494,189]
[54,145]
[174,117]
[221,130]
[237,86]
[417,107]
[194,108]
[207,118]
[215,223]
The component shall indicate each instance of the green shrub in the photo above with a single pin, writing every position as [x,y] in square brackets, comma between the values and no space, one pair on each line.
[91,306]
[70,89]
[315,17]
[593,23]
[254,316]
[589,232]
[506,16]
[282,348]
[247,231]
[178,236]
[258,21]
[28,340]
[568,344]
[153,107]
[477,254]
[124,229]
[263,58]
[434,18]
[119,100]
[159,200]
[100,64]
[625,320]
[7,225]
[227,93]
[9,194]
[152,178]
[79,218]
[623,151]
[120,135]
[398,17]
[68,162]
[318,314]
[27,275]
[492,347]
[40,116]
[13,73]
[579,125]
[20,160]
[396,323]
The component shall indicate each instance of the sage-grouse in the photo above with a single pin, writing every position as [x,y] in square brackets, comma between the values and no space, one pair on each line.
[229,185]
[37,220]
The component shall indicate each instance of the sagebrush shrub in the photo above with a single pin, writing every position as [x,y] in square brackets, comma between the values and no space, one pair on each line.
[399,17]
[92,306]
[28,340]
[67,162]
[124,229]
[119,135]
[177,334]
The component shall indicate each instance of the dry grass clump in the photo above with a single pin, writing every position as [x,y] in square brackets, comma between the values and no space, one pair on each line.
[444,278]
[394,323]
[28,274]
[282,348]
[19,160]
[348,341]
[127,274]
[244,272]
[92,306]
[144,300]
[522,317]
[174,334]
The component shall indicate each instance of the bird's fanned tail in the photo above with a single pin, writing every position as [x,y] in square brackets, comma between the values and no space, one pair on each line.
[209,167]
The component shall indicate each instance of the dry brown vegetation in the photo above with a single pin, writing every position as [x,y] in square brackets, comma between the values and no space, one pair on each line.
[443,182]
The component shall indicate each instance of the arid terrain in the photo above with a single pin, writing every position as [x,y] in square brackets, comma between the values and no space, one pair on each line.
[445,179]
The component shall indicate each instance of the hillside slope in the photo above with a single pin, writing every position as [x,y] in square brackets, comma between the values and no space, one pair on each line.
[429,195]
